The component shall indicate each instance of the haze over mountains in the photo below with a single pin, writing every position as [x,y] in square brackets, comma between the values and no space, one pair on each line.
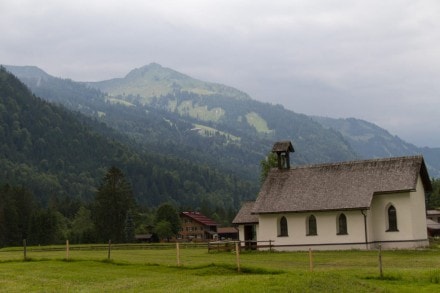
[170,113]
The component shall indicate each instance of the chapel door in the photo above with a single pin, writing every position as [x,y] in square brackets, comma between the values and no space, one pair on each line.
[249,237]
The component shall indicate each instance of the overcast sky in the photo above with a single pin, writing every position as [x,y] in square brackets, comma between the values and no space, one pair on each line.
[376,60]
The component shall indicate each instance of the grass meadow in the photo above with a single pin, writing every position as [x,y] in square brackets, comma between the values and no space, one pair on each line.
[144,269]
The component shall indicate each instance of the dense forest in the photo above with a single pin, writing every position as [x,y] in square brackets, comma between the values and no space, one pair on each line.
[112,215]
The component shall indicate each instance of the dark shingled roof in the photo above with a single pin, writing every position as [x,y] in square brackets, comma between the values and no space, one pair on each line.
[244,216]
[196,216]
[282,146]
[348,185]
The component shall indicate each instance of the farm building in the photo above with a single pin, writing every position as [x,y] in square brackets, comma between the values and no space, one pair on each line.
[433,215]
[433,222]
[227,233]
[197,227]
[348,205]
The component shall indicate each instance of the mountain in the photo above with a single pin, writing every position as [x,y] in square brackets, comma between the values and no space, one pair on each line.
[55,152]
[213,107]
[221,127]
[371,141]
[195,147]
[153,80]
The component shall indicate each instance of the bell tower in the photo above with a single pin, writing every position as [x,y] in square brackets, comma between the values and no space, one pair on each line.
[283,149]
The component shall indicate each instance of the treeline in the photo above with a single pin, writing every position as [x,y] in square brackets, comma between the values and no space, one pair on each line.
[112,215]
[21,217]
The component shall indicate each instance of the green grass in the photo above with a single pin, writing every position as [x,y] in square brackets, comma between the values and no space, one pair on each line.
[156,270]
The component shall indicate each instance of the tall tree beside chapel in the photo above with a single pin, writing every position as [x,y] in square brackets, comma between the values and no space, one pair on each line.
[266,164]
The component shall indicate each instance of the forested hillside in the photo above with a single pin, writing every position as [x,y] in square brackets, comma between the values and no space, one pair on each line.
[213,108]
[208,124]
[55,153]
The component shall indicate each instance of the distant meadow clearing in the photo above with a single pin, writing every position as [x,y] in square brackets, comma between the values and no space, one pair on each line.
[156,268]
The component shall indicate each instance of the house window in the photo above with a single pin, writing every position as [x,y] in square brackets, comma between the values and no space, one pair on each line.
[342,225]
[392,219]
[311,226]
[283,231]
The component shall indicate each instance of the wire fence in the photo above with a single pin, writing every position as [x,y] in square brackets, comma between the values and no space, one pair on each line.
[233,253]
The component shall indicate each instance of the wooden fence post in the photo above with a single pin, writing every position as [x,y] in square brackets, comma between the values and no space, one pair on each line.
[237,253]
[24,250]
[380,261]
[310,260]
[109,249]
[178,254]
[67,249]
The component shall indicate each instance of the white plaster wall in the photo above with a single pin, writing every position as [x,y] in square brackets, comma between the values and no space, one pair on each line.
[241,232]
[326,228]
[379,217]
[411,219]
[418,209]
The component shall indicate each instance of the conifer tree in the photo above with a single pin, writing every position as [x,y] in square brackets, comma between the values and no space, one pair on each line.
[113,200]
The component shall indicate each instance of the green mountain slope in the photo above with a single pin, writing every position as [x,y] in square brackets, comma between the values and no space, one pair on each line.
[154,130]
[227,111]
[233,134]
[371,141]
[54,152]
[154,81]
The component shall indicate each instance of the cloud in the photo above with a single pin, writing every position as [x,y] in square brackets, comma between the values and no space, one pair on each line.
[375,60]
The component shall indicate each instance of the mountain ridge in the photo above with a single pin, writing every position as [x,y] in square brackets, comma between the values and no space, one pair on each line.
[217,116]
[235,119]
[148,81]
[372,141]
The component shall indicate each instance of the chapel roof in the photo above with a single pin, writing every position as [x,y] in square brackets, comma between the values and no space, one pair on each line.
[245,215]
[338,186]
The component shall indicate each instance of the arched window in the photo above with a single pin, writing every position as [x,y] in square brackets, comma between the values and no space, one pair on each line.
[311,226]
[283,227]
[392,219]
[342,224]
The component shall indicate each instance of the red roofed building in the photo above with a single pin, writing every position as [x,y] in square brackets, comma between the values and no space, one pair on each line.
[197,227]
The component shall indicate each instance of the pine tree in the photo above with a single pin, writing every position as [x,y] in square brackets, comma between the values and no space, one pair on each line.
[113,200]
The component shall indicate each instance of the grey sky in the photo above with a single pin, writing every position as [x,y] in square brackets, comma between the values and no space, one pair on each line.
[376,60]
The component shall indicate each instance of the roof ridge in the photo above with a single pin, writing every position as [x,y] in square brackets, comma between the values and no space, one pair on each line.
[357,162]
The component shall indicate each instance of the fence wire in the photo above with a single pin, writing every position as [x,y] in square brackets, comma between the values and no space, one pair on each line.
[197,254]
